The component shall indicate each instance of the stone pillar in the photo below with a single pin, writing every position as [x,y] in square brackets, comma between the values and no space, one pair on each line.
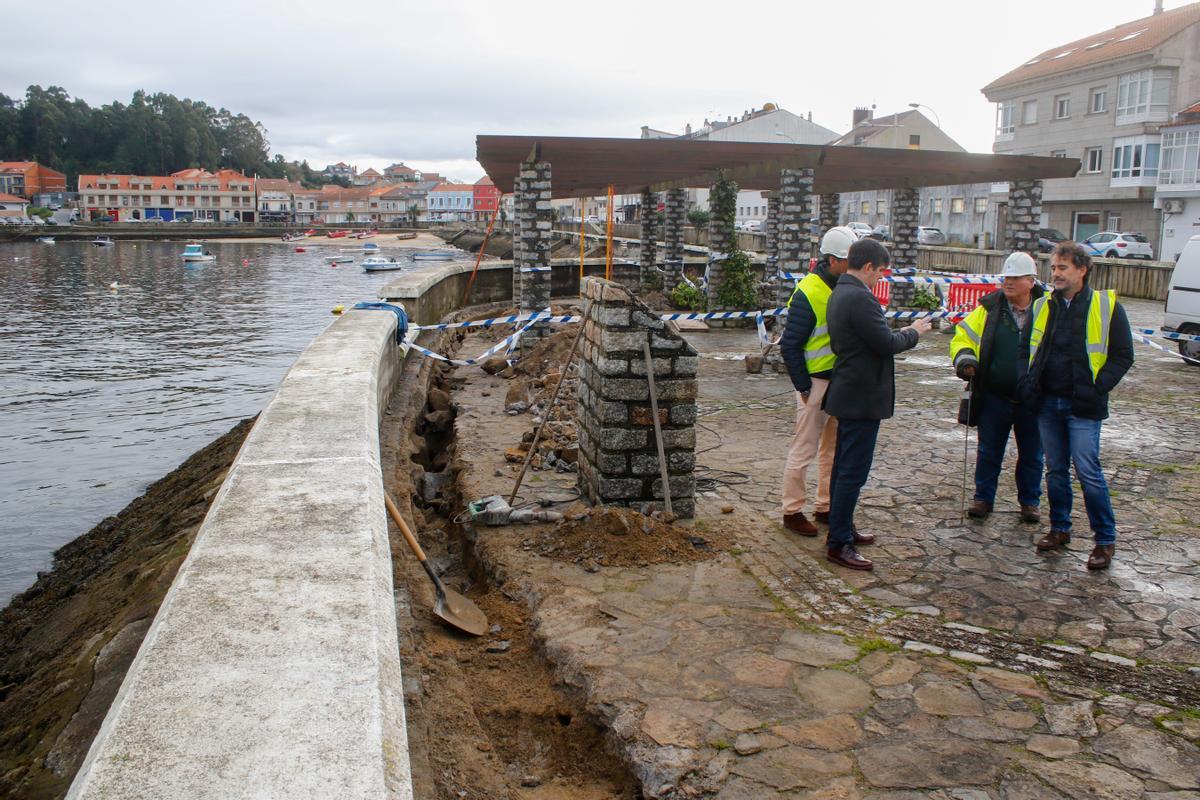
[536,234]
[618,455]
[906,206]
[771,229]
[518,256]
[721,240]
[831,209]
[649,249]
[676,216]
[1024,216]
[795,210]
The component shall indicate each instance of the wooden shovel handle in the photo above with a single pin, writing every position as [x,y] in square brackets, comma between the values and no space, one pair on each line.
[408,536]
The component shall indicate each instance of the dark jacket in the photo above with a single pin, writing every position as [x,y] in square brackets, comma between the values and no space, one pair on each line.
[995,302]
[800,323]
[864,378]
[1089,399]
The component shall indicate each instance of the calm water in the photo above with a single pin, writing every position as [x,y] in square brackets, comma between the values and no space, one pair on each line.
[103,391]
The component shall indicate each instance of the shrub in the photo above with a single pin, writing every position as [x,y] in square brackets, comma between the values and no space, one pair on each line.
[738,288]
[698,217]
[687,296]
[925,299]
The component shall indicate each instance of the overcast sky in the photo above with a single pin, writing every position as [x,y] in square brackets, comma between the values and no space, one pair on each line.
[370,83]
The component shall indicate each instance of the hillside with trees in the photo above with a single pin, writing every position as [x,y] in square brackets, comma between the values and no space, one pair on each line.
[154,134]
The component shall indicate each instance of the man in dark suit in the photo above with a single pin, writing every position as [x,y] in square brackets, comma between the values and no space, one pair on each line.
[862,391]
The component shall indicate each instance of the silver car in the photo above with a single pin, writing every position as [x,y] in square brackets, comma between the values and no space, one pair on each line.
[861,228]
[930,236]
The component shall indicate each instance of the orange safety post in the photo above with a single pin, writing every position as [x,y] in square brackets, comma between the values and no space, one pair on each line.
[608,248]
[482,247]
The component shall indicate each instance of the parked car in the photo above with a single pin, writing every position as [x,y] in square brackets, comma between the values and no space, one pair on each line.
[882,232]
[752,226]
[1182,313]
[1048,237]
[861,228]
[930,236]
[1114,244]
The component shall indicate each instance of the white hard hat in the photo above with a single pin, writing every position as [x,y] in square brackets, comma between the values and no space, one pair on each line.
[1019,265]
[836,241]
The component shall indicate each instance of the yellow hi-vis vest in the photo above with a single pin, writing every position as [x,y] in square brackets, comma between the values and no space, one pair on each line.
[968,334]
[818,353]
[1099,319]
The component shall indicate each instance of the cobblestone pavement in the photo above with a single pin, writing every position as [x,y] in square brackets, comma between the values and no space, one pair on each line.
[966,666]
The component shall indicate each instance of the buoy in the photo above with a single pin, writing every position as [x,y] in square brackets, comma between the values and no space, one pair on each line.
[338,309]
[299,249]
[114,285]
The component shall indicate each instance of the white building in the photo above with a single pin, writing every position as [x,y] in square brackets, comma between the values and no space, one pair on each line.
[275,199]
[1178,194]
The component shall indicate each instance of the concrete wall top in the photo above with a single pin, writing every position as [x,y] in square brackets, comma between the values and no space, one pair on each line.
[272,668]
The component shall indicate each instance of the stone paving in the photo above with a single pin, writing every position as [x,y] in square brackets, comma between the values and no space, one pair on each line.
[966,666]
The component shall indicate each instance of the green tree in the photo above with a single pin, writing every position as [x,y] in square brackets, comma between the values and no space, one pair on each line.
[698,217]
[737,288]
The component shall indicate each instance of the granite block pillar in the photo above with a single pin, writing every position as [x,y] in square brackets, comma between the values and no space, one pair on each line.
[618,455]
[1024,216]
[830,212]
[536,218]
[795,210]
[649,250]
[676,216]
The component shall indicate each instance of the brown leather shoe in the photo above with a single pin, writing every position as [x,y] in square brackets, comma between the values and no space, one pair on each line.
[1031,514]
[798,523]
[1101,557]
[845,555]
[863,538]
[1054,540]
[979,509]
[822,517]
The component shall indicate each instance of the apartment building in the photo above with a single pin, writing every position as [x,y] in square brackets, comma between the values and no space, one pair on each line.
[13,206]
[276,199]
[486,199]
[1102,99]
[190,194]
[451,201]
[40,185]
[1178,194]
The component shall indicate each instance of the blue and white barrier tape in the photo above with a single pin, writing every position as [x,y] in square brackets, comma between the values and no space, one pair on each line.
[1175,337]
[1165,349]
[507,344]
[511,319]
[980,281]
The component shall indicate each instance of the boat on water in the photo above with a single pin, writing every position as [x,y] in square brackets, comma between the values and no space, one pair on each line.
[406,236]
[381,264]
[433,255]
[45,239]
[369,247]
[195,253]
[339,259]
[293,237]
[103,241]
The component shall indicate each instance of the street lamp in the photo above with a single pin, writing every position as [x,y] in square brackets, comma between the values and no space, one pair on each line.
[936,118]
[784,135]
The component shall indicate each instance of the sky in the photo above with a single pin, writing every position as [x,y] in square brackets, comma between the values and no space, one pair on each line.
[372,83]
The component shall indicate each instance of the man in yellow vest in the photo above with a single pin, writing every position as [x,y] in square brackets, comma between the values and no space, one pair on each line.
[809,359]
[984,350]
[1078,347]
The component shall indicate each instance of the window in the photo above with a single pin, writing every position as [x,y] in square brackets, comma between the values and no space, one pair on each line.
[865,207]
[936,204]
[1095,159]
[1180,158]
[1114,221]
[914,141]
[1029,112]
[1058,153]
[881,207]
[957,205]
[1098,100]
[1143,96]
[1005,119]
[1134,159]
[1062,106]
[981,205]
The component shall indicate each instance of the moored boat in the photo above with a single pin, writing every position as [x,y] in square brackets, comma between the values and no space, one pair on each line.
[369,247]
[103,241]
[337,234]
[46,239]
[195,253]
[433,255]
[339,259]
[406,236]
[381,264]
[365,234]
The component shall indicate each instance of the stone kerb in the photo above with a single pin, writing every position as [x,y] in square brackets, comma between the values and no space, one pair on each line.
[1024,215]
[618,457]
[272,667]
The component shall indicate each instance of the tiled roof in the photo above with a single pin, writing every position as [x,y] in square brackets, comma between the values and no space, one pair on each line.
[484,181]
[17,165]
[10,198]
[1124,40]
[369,172]
[275,185]
[169,182]
[454,187]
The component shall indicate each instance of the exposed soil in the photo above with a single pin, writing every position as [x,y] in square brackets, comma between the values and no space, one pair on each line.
[620,537]
[548,353]
[66,642]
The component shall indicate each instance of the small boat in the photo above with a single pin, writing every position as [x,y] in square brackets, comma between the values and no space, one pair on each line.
[336,234]
[381,264]
[103,241]
[197,253]
[46,239]
[365,234]
[293,237]
[311,232]
[339,259]
[369,247]
[406,236]
[433,255]
[301,250]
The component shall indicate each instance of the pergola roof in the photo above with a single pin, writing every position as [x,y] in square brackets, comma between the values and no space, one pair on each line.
[584,167]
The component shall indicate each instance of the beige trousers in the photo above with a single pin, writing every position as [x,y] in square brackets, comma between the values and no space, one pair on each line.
[815,437]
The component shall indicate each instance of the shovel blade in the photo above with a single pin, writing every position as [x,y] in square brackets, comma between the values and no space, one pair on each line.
[459,612]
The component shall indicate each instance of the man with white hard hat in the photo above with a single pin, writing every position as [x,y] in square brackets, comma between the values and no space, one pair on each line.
[984,349]
[809,359]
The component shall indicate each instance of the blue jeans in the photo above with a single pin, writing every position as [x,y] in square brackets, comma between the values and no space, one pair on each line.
[1067,438]
[997,417]
[852,460]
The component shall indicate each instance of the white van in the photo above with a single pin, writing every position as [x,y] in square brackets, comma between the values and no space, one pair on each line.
[1183,298]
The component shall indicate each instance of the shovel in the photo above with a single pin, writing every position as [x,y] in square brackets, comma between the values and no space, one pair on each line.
[454,609]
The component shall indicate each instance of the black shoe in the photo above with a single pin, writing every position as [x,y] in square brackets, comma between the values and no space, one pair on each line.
[822,517]
[844,555]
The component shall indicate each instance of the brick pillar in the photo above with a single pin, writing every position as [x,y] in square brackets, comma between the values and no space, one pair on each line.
[795,210]
[649,249]
[676,216]
[906,205]
[537,229]
[618,456]
[1024,216]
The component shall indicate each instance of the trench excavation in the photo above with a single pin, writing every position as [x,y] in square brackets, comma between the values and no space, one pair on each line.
[485,718]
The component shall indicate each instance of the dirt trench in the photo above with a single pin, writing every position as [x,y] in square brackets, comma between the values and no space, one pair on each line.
[485,718]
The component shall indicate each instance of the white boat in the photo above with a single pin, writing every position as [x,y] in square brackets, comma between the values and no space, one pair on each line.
[433,255]
[196,253]
[381,264]
[46,239]
[369,247]
[339,259]
[102,241]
